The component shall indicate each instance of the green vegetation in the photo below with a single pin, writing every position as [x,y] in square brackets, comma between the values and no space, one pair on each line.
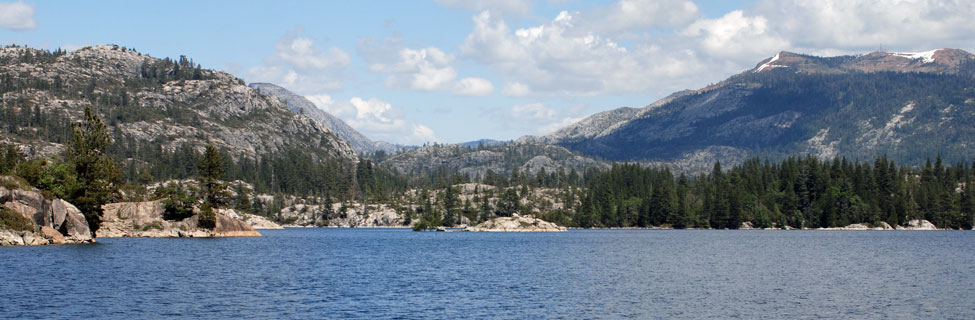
[212,189]
[207,219]
[9,158]
[798,193]
[55,177]
[97,174]
[14,221]
[177,201]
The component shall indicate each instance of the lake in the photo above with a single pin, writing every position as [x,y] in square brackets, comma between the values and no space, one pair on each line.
[392,273]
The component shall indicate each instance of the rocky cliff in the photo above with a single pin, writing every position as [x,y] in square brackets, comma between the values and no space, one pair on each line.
[526,158]
[149,103]
[145,219]
[347,215]
[46,220]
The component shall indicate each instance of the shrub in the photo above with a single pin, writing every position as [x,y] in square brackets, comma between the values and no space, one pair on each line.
[14,221]
[177,201]
[14,182]
[207,219]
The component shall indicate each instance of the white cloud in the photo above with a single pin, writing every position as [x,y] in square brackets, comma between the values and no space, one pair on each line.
[555,126]
[627,15]
[425,69]
[300,65]
[17,16]
[473,87]
[537,118]
[503,7]
[735,36]
[422,133]
[560,58]
[377,119]
[327,104]
[858,26]
[658,47]
[516,89]
[536,111]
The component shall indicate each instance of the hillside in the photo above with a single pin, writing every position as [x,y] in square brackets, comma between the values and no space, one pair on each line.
[498,158]
[300,105]
[909,106]
[160,113]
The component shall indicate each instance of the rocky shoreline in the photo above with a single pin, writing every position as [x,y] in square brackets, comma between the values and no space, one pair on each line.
[50,221]
[145,220]
[32,217]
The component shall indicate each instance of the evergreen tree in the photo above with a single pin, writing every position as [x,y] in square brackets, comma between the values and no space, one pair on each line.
[486,210]
[509,203]
[213,190]
[98,175]
[450,204]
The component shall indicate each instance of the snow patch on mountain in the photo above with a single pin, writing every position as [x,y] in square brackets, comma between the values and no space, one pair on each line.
[927,56]
[769,65]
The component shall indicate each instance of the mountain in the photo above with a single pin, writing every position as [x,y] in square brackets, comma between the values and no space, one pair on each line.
[481,143]
[909,106]
[498,158]
[299,104]
[159,111]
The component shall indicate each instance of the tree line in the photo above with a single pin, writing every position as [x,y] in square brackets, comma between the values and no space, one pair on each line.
[796,193]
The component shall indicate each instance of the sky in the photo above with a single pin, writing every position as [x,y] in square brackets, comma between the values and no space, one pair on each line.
[448,71]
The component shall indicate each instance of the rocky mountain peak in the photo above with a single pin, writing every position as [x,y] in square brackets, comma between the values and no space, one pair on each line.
[161,102]
[942,61]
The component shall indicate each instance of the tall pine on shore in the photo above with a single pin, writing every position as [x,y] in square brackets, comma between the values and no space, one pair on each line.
[98,175]
[212,188]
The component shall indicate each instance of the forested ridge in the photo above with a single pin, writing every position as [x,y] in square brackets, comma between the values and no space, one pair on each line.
[905,116]
[795,193]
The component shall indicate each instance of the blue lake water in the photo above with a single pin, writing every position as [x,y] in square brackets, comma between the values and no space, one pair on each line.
[375,273]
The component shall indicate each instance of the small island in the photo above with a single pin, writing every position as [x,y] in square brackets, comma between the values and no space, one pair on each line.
[516,223]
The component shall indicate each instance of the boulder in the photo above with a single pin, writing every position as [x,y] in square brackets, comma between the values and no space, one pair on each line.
[31,204]
[52,235]
[59,212]
[51,215]
[33,239]
[918,225]
[76,225]
[9,238]
[256,221]
[229,227]
[139,213]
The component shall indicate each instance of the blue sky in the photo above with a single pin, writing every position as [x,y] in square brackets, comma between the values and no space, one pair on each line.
[451,71]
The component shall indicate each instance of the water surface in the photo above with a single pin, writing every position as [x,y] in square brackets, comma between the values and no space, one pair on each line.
[376,273]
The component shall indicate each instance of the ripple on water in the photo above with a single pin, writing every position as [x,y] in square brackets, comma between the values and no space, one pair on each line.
[398,274]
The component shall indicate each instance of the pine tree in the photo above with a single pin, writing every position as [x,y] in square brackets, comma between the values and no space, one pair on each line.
[97,174]
[213,190]
[486,211]
[509,203]
[450,204]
